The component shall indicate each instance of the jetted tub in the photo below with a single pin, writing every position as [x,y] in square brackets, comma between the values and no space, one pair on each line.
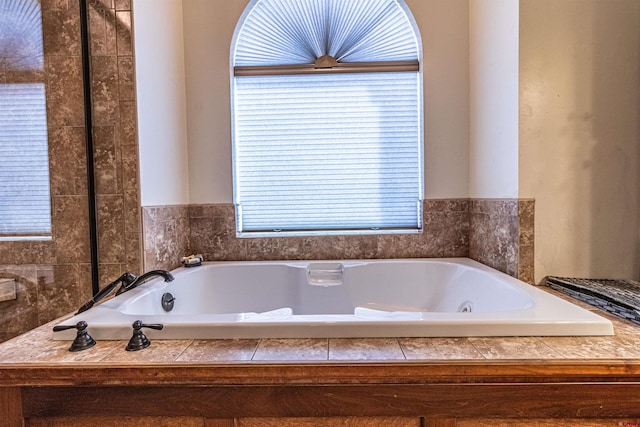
[316,299]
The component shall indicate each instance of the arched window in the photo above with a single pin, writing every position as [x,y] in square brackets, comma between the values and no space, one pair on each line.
[327,118]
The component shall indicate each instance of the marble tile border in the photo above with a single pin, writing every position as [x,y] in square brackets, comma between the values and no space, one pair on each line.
[502,235]
[498,233]
[166,233]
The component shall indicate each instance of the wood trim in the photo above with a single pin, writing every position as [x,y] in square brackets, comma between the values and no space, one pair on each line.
[432,401]
[544,371]
[11,407]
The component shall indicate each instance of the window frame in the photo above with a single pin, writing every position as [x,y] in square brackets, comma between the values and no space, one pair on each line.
[328,65]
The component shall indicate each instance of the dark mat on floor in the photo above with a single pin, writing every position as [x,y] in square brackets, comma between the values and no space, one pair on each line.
[619,297]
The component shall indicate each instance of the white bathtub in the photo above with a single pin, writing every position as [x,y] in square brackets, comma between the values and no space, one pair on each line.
[373,298]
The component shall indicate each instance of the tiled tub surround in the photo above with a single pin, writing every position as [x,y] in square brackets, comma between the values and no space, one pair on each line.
[54,277]
[498,233]
[501,235]
[47,273]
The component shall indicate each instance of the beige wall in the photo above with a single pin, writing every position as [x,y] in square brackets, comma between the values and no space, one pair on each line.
[493,98]
[208,30]
[161,96]
[580,134]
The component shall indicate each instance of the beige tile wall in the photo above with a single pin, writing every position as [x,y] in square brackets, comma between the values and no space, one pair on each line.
[115,138]
[501,235]
[498,233]
[53,278]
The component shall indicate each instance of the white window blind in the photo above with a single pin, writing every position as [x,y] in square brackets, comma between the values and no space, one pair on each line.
[331,152]
[278,32]
[25,206]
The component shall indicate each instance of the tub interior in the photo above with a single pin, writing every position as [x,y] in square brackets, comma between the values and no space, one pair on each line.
[454,297]
[297,289]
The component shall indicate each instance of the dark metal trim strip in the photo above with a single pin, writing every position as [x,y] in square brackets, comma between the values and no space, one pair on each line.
[88,121]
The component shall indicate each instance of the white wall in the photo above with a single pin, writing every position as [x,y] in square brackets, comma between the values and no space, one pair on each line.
[160,87]
[208,29]
[493,98]
[580,134]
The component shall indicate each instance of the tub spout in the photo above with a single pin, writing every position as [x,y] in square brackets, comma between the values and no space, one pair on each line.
[168,277]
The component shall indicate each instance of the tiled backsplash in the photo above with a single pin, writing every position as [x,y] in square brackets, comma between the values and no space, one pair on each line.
[501,235]
[498,233]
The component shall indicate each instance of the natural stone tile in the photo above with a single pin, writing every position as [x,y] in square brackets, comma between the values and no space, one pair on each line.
[526,264]
[526,221]
[493,240]
[61,290]
[513,348]
[438,349]
[160,351]
[26,69]
[54,4]
[105,5]
[324,247]
[133,247]
[132,211]
[70,222]
[417,245]
[365,349]
[126,78]
[446,205]
[107,161]
[59,351]
[594,347]
[65,95]
[61,31]
[128,125]
[219,350]
[502,207]
[110,212]
[108,272]
[277,248]
[123,33]
[98,36]
[215,238]
[166,231]
[7,335]
[24,348]
[27,252]
[67,160]
[21,314]
[104,90]
[292,349]
[123,4]
[449,231]
[213,210]
[361,247]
